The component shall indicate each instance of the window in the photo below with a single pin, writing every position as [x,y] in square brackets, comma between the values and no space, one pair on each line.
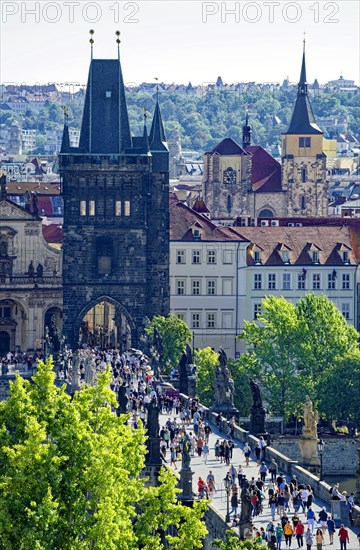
[82,208]
[211,320]
[316,281]
[345,310]
[346,257]
[301,281]
[257,257]
[91,208]
[305,142]
[211,287]
[195,320]
[5,312]
[315,257]
[332,280]
[272,281]
[257,310]
[211,257]
[195,287]
[257,281]
[286,281]
[117,208]
[104,248]
[303,175]
[346,281]
[285,257]
[180,287]
[127,208]
[180,256]
[181,316]
[196,256]
[303,203]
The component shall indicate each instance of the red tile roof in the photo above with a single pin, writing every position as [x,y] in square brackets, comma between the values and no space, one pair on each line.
[227,147]
[266,171]
[53,233]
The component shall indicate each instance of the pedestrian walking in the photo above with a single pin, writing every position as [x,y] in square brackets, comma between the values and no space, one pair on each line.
[263,471]
[288,533]
[299,532]
[319,539]
[309,539]
[247,453]
[278,534]
[205,452]
[343,535]
[311,519]
[273,469]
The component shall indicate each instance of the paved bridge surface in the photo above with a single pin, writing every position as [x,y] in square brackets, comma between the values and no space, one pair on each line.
[219,499]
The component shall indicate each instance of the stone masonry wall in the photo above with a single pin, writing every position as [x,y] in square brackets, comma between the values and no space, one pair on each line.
[339,457]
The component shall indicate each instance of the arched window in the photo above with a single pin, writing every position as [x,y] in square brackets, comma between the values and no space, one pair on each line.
[303,175]
[302,202]
[266,213]
[229,204]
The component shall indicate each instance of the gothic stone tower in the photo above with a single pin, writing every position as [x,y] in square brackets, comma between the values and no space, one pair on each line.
[227,179]
[116,214]
[303,160]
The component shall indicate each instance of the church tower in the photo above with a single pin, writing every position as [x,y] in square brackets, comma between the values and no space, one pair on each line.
[116,217]
[303,160]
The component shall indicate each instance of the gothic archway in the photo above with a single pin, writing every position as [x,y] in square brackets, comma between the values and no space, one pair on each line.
[105,323]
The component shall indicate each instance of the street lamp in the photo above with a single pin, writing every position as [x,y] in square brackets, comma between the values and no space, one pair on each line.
[228,484]
[320,446]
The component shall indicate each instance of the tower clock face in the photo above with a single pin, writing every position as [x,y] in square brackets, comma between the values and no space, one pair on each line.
[229,176]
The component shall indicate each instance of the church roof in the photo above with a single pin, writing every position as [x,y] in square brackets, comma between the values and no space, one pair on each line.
[227,147]
[200,206]
[105,125]
[303,120]
[265,172]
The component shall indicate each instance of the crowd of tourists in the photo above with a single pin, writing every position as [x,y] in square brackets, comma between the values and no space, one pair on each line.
[19,361]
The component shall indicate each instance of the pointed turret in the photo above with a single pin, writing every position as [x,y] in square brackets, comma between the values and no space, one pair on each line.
[303,120]
[246,134]
[157,138]
[65,143]
[145,136]
[105,125]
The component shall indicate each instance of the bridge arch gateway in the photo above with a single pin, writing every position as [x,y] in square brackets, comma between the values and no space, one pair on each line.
[105,322]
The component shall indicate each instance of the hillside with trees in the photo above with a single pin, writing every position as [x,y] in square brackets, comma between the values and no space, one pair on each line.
[204,117]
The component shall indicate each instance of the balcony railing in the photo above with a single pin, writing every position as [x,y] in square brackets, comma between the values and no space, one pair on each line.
[25,280]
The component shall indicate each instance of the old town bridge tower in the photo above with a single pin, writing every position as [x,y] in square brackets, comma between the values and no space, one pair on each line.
[116,218]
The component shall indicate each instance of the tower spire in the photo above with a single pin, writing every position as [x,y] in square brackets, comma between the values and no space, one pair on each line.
[157,136]
[303,120]
[65,143]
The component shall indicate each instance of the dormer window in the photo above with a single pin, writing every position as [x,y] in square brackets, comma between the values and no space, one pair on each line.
[285,257]
[345,255]
[257,257]
[315,257]
[196,234]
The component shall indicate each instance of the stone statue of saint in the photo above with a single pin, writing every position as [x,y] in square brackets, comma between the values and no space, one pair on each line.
[255,390]
[31,270]
[311,419]
[224,384]
[245,497]
[185,451]
[122,399]
[152,422]
[39,270]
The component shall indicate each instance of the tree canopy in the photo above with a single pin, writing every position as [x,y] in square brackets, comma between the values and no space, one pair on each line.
[175,335]
[292,347]
[70,474]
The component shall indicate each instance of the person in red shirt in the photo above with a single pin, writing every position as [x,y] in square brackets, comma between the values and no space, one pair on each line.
[343,536]
[299,532]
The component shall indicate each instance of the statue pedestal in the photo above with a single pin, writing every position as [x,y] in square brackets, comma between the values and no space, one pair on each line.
[186,497]
[153,461]
[246,531]
[257,420]
[226,409]
[309,454]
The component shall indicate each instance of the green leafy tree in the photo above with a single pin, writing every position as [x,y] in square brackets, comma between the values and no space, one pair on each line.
[175,335]
[206,360]
[291,347]
[241,374]
[340,389]
[69,474]
[232,542]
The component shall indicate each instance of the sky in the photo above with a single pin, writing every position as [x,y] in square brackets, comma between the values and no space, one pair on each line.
[180,41]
